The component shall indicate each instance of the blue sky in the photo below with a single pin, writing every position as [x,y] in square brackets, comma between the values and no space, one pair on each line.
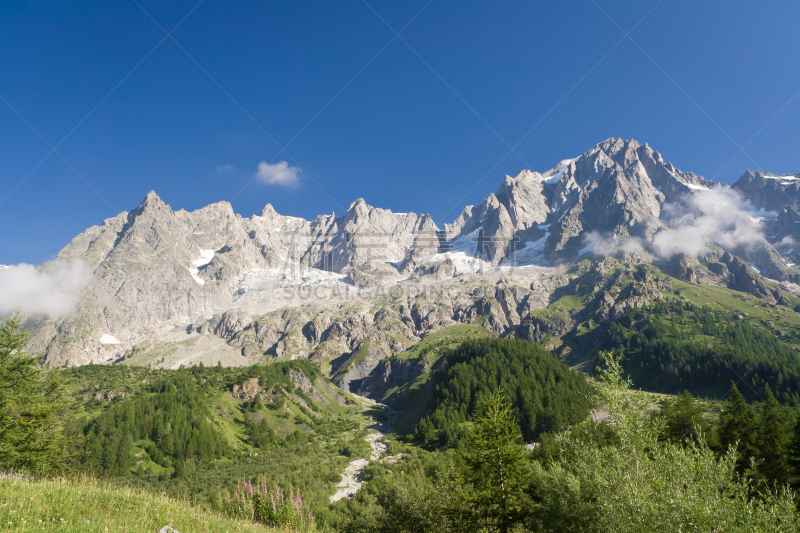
[422,122]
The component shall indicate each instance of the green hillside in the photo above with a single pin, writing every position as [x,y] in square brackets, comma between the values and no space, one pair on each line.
[546,394]
[197,432]
[673,335]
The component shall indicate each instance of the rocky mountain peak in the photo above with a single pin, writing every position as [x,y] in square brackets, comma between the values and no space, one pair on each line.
[615,145]
[151,201]
[269,214]
[768,191]
[358,209]
[217,261]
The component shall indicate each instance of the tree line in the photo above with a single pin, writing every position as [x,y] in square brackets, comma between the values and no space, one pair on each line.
[546,395]
[671,346]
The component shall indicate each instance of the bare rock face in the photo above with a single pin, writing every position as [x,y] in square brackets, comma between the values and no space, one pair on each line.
[777,200]
[247,390]
[349,291]
[616,189]
[768,191]
[387,375]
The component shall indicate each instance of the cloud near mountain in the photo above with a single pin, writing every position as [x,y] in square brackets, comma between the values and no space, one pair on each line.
[278,174]
[53,290]
[698,219]
[717,215]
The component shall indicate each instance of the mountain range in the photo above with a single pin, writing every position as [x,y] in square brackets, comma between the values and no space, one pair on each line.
[171,288]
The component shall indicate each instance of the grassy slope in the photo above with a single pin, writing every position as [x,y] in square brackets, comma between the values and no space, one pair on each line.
[85,382]
[780,320]
[774,318]
[85,505]
[313,465]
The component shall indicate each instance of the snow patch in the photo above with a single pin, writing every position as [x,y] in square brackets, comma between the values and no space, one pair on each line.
[461,252]
[294,276]
[463,263]
[205,258]
[758,215]
[560,172]
[785,177]
[695,187]
[466,243]
[531,255]
[108,339]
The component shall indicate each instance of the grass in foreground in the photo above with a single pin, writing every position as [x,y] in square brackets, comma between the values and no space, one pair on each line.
[87,505]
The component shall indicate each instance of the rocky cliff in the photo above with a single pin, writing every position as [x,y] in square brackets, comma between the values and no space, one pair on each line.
[350,290]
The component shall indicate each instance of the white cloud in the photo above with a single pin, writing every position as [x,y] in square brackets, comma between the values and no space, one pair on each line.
[787,242]
[278,174]
[715,216]
[609,244]
[54,290]
[718,216]
[226,169]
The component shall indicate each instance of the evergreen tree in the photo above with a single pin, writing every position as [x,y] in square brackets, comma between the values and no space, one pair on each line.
[498,466]
[648,486]
[684,419]
[31,407]
[737,424]
[794,454]
[772,441]
[545,393]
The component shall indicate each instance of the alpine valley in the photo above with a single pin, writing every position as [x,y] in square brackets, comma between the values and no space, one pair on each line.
[358,356]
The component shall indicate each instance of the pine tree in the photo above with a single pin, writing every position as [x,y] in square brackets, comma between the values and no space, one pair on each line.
[772,441]
[737,424]
[684,419]
[498,466]
[31,407]
[794,454]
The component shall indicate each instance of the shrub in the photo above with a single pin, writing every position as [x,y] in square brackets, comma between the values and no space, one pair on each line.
[270,508]
[647,485]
